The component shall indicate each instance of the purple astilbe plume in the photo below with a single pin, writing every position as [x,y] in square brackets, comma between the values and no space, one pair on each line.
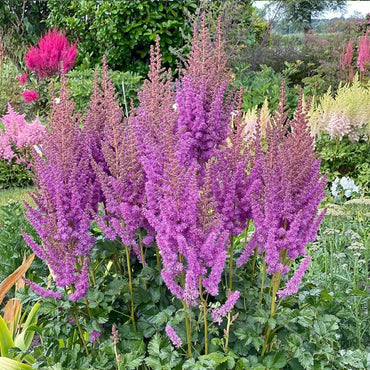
[286,197]
[232,175]
[203,102]
[173,337]
[293,284]
[123,179]
[219,313]
[63,198]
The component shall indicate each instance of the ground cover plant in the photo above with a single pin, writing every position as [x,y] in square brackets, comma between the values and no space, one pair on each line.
[178,237]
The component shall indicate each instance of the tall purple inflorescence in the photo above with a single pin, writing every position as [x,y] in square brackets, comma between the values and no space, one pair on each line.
[190,233]
[121,177]
[63,199]
[203,102]
[286,196]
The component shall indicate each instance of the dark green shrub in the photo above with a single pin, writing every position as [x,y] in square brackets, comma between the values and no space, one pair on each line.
[13,174]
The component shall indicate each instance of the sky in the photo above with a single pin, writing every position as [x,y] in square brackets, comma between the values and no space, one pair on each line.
[363,7]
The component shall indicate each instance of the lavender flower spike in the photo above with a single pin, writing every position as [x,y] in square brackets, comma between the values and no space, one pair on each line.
[174,338]
[221,312]
[293,284]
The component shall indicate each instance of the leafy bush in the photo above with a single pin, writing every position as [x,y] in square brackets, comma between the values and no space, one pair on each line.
[13,174]
[122,30]
[81,86]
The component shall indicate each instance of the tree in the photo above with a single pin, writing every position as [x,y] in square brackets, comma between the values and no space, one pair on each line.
[301,12]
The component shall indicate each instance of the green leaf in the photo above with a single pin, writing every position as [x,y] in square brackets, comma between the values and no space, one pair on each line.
[6,341]
[275,361]
[10,364]
[306,360]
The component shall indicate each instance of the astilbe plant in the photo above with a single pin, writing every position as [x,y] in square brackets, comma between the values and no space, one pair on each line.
[63,199]
[53,54]
[17,134]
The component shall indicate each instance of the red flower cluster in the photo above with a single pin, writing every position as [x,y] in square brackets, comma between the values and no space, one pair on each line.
[30,95]
[52,54]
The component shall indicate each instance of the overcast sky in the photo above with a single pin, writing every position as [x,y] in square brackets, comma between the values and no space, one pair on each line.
[362,7]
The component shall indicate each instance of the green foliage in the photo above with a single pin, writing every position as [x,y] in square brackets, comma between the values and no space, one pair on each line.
[21,22]
[12,245]
[122,30]
[258,85]
[345,158]
[81,84]
[13,174]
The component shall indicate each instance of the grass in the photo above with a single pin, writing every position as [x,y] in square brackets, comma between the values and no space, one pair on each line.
[17,194]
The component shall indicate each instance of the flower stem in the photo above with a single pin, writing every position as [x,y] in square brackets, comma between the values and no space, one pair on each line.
[80,334]
[204,305]
[130,287]
[262,282]
[231,262]
[188,329]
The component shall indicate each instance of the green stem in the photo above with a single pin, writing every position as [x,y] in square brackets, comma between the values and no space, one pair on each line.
[204,304]
[227,333]
[188,329]
[231,262]
[130,287]
[158,257]
[262,282]
[254,262]
[142,254]
[80,334]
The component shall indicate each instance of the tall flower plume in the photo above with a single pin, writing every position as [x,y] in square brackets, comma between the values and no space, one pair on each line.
[63,199]
[290,188]
[119,171]
[52,54]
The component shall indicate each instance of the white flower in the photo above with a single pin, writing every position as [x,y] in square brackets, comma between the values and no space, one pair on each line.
[57,101]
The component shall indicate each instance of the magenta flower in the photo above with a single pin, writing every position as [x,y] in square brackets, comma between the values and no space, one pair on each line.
[174,338]
[94,335]
[30,96]
[41,291]
[53,54]
[293,284]
[219,313]
[22,78]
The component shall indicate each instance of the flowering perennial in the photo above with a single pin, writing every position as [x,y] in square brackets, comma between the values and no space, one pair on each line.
[30,96]
[52,54]
[17,134]
[63,202]
[174,338]
[286,195]
[219,313]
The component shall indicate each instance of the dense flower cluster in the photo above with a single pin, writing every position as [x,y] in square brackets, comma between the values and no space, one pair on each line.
[64,199]
[30,96]
[52,54]
[287,192]
[363,58]
[174,338]
[185,168]
[18,134]
[345,114]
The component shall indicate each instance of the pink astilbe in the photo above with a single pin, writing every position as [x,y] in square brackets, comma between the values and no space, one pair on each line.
[52,54]
[290,188]
[63,198]
[19,134]
[346,59]
[30,96]
[363,52]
